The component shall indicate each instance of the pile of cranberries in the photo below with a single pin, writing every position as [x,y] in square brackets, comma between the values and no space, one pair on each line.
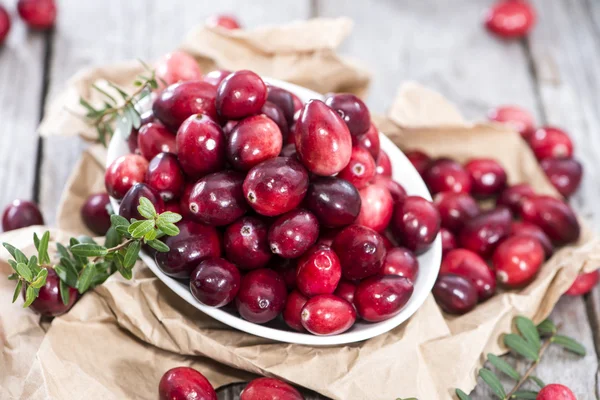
[37,14]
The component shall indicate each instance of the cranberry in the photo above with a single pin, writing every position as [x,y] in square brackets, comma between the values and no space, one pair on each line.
[49,302]
[528,229]
[360,169]
[370,141]
[270,389]
[129,205]
[318,271]
[276,186]
[444,174]
[218,199]
[201,146]
[173,206]
[550,142]
[184,202]
[402,262]
[555,391]
[177,66]
[384,165]
[516,117]
[289,150]
[165,176]
[323,141]
[361,251]
[346,290]
[293,233]
[334,201]
[4,24]
[261,296]
[455,209]
[517,260]
[246,243]
[454,294]
[132,139]
[448,241]
[215,282]
[565,174]
[194,243]
[419,160]
[352,110]
[20,214]
[584,283]
[377,207]
[223,21]
[298,104]
[415,223]
[387,241]
[293,310]
[482,233]
[241,94]
[469,265]
[513,196]
[287,268]
[488,177]
[284,100]
[327,314]
[276,114]
[381,297]
[327,236]
[510,19]
[554,216]
[216,77]
[37,14]
[154,138]
[95,213]
[179,101]
[252,141]
[183,383]
[123,173]
[396,190]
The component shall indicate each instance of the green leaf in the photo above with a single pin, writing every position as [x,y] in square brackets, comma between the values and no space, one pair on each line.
[525,394]
[91,110]
[493,382]
[462,395]
[168,228]
[33,266]
[43,255]
[86,239]
[122,230]
[158,246]
[168,217]
[36,241]
[85,280]
[569,344]
[521,346]
[66,271]
[537,381]
[146,212]
[546,328]
[40,279]
[503,366]
[529,331]
[62,250]
[30,296]
[150,235]
[113,238]
[16,253]
[105,93]
[117,220]
[134,116]
[139,228]
[13,277]
[133,250]
[17,291]
[64,292]
[24,271]
[126,273]
[89,250]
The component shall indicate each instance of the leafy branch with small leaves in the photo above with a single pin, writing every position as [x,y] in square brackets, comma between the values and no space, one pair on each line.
[531,342]
[85,264]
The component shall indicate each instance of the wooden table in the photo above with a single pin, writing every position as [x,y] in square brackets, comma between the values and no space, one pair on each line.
[437,42]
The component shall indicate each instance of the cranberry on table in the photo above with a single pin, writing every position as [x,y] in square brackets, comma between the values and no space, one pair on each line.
[327,314]
[215,77]
[419,160]
[384,165]
[401,261]
[184,383]
[215,282]
[564,174]
[269,389]
[513,197]
[370,141]
[129,205]
[246,244]
[584,283]
[550,142]
[4,24]
[352,110]
[292,312]
[484,232]
[516,117]
[335,202]
[20,214]
[95,213]
[555,391]
[346,290]
[517,260]
[223,21]
[449,241]
[181,100]
[123,173]
[377,207]
[454,294]
[381,297]
[529,229]
[471,266]
[396,190]
[318,272]
[177,66]
[165,176]
[276,114]
[284,100]
[49,302]
[455,209]
[261,296]
[218,199]
[37,14]
[201,146]
[361,251]
[293,233]
[415,223]
[241,94]
[488,177]
[554,216]
[444,175]
[254,140]
[360,169]
[510,19]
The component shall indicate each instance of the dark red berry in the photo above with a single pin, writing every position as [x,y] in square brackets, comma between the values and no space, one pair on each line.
[554,216]
[318,271]
[370,141]
[382,297]
[292,312]
[377,207]
[178,102]
[455,209]
[123,173]
[95,213]
[20,214]
[218,199]
[37,14]
[215,77]
[293,233]
[584,283]
[401,261]
[261,296]
[165,176]
[529,229]
[415,223]
[419,160]
[254,140]
[517,260]
[396,190]
[361,251]
[184,383]
[49,301]
[516,117]
[352,110]
[449,241]
[555,391]
[513,196]
[201,146]
[455,294]
[246,243]
[444,175]
[270,389]
[510,19]
[550,142]
[484,232]
[564,174]
[154,138]
[488,177]
[129,205]
[334,201]
[346,290]
[472,267]
[327,314]
[360,169]
[241,94]
[215,282]
[384,165]
[276,114]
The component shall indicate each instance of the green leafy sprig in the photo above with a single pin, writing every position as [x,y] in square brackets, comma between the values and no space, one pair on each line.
[85,264]
[530,342]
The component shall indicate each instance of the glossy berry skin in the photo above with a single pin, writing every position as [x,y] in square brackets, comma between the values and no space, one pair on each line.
[564,174]
[555,391]
[173,206]
[449,241]
[401,261]
[184,201]
[488,177]
[241,94]
[201,146]
[346,290]
[215,282]
[327,314]
[284,100]
[454,294]
[20,214]
[318,272]
[177,66]
[4,24]
[322,139]
[246,243]
[517,260]
[352,110]
[510,19]
[270,389]
[154,138]
[95,214]
[550,142]
[455,209]
[360,169]
[49,302]
[37,14]
[447,175]
[179,101]
[194,243]
[396,190]
[377,207]
[165,176]
[484,232]
[516,117]
[218,199]
[370,141]
[215,77]
[419,160]
[334,201]
[123,173]
[276,186]
[292,312]
[554,216]
[129,205]
[472,267]
[261,296]
[132,140]
[381,297]
[223,21]
[384,165]
[276,114]
[513,197]
[584,283]
[254,140]
[361,251]
[184,383]
[293,233]
[529,229]
[415,223]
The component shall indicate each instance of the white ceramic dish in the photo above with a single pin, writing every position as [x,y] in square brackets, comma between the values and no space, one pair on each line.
[429,263]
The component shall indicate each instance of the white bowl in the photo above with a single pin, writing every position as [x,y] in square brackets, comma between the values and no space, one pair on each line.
[429,262]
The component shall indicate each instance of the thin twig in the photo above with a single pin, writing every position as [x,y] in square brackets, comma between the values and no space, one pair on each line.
[114,249]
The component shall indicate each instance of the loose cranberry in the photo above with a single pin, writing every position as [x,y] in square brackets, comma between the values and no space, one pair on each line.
[517,260]
[550,142]
[269,389]
[95,213]
[173,206]
[218,199]
[293,233]
[381,297]
[449,241]
[516,117]
[20,214]
[555,391]
[377,207]
[318,271]
[201,146]
[165,176]
[402,262]
[352,110]
[361,251]
[346,290]
[286,268]
[323,141]
[419,160]
[275,113]
[334,201]
[455,209]
[246,243]
[370,141]
[584,283]
[415,223]
[444,174]
[396,190]
[289,150]
[184,202]
[513,196]
[276,186]
[454,294]
[554,216]
[223,21]
[384,165]
[510,19]
[194,243]
[327,314]
[360,169]
[293,310]
[488,177]
[177,66]
[123,173]
[261,296]
[528,229]
[252,141]
[241,94]
[484,232]
[216,77]
[179,101]
[37,14]
[49,302]
[564,174]
[215,282]
[4,24]
[129,205]
[155,138]
[184,383]
[472,267]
